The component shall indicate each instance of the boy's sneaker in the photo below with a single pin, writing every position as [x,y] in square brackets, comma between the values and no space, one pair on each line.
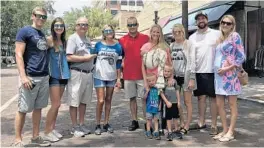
[40,142]
[178,134]
[108,128]
[51,137]
[84,129]
[148,134]
[57,134]
[98,130]
[133,126]
[170,136]
[76,131]
[151,129]
[156,135]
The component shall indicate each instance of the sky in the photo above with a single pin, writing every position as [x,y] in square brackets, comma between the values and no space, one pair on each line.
[65,5]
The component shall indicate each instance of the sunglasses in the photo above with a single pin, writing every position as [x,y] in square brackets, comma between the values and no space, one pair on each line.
[109,31]
[59,26]
[226,23]
[132,25]
[82,25]
[39,16]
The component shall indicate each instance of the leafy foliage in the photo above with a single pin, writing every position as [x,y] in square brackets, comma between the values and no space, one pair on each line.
[16,14]
[97,18]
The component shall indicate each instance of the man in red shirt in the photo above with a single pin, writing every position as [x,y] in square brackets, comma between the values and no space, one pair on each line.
[132,74]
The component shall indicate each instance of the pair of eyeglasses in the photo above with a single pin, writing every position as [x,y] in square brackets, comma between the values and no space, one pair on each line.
[132,25]
[109,31]
[226,23]
[82,25]
[59,26]
[40,16]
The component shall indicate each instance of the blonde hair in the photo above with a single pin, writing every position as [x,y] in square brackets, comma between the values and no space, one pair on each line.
[161,42]
[150,75]
[169,66]
[181,27]
[223,36]
[39,9]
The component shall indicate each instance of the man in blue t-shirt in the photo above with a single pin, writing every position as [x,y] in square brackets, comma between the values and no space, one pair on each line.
[32,64]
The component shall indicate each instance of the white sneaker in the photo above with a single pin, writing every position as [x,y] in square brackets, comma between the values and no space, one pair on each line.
[76,131]
[51,137]
[57,134]
[84,129]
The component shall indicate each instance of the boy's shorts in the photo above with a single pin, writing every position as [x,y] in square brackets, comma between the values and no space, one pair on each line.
[173,112]
[150,116]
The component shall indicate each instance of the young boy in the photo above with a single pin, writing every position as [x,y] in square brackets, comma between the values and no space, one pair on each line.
[152,106]
[173,95]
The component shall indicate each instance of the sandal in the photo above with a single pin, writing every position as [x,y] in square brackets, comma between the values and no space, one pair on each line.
[227,138]
[197,127]
[184,131]
[218,136]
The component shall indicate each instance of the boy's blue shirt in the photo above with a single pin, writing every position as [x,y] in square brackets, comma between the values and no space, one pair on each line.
[152,101]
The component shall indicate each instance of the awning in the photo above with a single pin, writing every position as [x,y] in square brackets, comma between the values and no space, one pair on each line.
[214,12]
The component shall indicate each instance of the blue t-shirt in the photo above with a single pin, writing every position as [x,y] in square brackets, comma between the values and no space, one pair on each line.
[108,60]
[152,101]
[36,54]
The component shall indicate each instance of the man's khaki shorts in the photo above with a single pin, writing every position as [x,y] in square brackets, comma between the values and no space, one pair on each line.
[133,88]
[79,88]
[36,98]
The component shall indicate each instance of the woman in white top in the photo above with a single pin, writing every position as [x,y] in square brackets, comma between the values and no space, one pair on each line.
[183,60]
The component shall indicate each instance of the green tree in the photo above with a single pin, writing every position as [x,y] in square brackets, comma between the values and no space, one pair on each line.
[16,14]
[97,18]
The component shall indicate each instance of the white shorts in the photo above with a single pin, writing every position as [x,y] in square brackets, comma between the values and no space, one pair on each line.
[36,98]
[79,88]
[134,88]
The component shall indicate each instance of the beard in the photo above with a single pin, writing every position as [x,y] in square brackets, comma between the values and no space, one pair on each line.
[202,25]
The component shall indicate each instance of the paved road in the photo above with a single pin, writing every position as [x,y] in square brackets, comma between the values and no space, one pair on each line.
[9,84]
[249,131]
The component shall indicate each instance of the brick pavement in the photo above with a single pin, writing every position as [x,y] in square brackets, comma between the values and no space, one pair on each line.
[248,132]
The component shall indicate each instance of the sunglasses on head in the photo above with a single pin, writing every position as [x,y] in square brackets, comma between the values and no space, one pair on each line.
[226,23]
[108,31]
[59,26]
[82,25]
[132,25]
[40,16]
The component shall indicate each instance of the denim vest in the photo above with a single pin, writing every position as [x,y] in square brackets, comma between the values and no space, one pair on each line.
[58,65]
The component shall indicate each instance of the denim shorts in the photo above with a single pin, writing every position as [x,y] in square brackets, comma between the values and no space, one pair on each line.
[57,82]
[103,83]
[150,116]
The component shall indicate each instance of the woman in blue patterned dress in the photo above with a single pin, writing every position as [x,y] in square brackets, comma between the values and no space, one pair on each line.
[229,56]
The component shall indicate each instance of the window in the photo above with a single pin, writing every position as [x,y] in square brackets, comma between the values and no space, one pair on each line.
[113,2]
[123,2]
[132,3]
[114,12]
[140,3]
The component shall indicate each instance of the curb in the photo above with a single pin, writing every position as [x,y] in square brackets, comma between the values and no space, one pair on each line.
[258,101]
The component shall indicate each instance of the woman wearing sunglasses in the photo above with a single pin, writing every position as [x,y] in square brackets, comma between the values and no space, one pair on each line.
[106,75]
[229,56]
[183,59]
[59,75]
